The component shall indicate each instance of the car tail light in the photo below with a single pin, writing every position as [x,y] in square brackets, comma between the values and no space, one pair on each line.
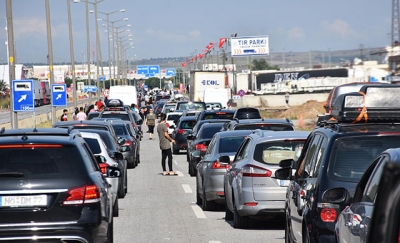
[255,171]
[128,143]
[82,195]
[328,215]
[180,131]
[103,167]
[251,204]
[218,165]
[133,124]
[167,124]
[201,147]
[31,146]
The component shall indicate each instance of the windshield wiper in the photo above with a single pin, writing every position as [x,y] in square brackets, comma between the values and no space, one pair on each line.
[11,174]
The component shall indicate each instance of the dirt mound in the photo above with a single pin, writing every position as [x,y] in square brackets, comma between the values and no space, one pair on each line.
[309,110]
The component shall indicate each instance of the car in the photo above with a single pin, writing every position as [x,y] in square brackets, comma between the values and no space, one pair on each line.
[88,124]
[172,120]
[168,107]
[52,188]
[262,124]
[353,223]
[163,96]
[158,108]
[249,186]
[247,113]
[181,131]
[131,147]
[336,154]
[200,143]
[98,147]
[190,113]
[214,106]
[212,167]
[216,114]
[190,105]
[92,115]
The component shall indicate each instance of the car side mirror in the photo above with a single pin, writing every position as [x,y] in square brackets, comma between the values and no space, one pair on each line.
[224,159]
[118,156]
[121,141]
[112,172]
[284,173]
[196,154]
[336,195]
[286,163]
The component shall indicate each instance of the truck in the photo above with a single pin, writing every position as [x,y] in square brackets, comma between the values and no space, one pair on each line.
[41,92]
[201,80]
[213,96]
[126,93]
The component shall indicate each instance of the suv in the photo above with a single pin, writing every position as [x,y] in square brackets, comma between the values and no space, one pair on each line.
[52,188]
[337,154]
[247,113]
[262,124]
[216,114]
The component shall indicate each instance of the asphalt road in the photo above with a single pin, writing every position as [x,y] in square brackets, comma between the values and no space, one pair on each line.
[162,208]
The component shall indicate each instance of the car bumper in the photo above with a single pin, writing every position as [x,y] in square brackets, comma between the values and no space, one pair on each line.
[263,208]
[215,187]
[54,232]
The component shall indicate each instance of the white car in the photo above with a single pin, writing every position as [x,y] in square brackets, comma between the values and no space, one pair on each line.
[172,120]
[98,147]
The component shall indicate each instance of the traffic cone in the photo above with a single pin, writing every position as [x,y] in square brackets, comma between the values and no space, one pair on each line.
[301,122]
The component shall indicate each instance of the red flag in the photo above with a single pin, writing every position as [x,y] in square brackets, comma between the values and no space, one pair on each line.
[201,55]
[221,42]
[183,64]
[205,51]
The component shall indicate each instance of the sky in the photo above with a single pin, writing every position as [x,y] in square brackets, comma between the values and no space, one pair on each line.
[183,28]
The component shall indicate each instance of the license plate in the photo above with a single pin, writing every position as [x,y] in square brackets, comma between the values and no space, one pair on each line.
[22,201]
[284,182]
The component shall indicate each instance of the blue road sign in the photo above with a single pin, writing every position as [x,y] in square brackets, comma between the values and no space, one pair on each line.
[241,92]
[170,72]
[142,69]
[102,78]
[90,88]
[59,95]
[154,69]
[23,96]
[149,74]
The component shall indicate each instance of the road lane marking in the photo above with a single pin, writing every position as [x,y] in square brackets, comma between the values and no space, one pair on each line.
[198,212]
[187,188]
[179,173]
[214,241]
[175,162]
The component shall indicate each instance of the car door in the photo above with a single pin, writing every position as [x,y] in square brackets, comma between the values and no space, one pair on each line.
[202,165]
[304,184]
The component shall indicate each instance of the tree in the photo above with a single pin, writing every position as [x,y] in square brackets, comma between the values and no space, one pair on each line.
[3,85]
[261,64]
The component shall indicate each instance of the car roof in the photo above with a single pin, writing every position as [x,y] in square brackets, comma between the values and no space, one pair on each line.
[251,121]
[188,118]
[207,125]
[217,110]
[39,135]
[94,122]
[225,134]
[174,113]
[268,135]
[90,135]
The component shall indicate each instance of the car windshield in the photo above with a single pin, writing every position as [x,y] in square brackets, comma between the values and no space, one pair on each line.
[271,127]
[209,132]
[274,151]
[122,116]
[230,144]
[191,106]
[187,124]
[351,156]
[53,162]
[93,145]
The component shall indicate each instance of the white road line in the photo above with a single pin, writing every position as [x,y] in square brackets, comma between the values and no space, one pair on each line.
[214,241]
[198,212]
[175,162]
[187,188]
[179,173]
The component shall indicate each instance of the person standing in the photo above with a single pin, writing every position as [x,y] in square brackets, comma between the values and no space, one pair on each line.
[64,116]
[76,111]
[81,115]
[165,145]
[151,122]
[287,99]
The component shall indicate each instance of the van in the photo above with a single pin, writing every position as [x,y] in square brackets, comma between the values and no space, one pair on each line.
[221,96]
[125,93]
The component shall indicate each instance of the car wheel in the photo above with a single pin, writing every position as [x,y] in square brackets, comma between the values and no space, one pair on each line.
[138,160]
[198,198]
[287,232]
[207,205]
[228,213]
[116,208]
[131,165]
[121,191]
[126,184]
[239,222]
[110,232]
[175,151]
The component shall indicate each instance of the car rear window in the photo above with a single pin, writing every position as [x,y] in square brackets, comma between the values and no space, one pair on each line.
[173,117]
[120,129]
[84,126]
[230,144]
[92,115]
[209,132]
[191,106]
[351,156]
[271,127]
[188,124]
[34,162]
[275,151]
[122,116]
[93,145]
[218,115]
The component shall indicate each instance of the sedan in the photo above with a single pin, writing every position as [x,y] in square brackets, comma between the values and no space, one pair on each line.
[211,169]
[181,131]
[131,147]
[251,191]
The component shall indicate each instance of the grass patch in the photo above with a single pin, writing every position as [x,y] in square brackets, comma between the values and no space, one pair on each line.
[47,124]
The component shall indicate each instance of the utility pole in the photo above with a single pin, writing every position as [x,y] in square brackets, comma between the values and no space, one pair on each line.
[11,64]
[71,49]
[50,55]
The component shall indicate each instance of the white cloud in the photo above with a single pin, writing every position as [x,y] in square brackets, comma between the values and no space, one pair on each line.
[296,33]
[167,36]
[28,27]
[339,28]
[194,33]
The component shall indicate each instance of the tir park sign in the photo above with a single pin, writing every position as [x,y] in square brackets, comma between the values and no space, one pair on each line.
[249,46]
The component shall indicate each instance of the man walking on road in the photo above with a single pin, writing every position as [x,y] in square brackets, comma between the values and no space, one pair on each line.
[165,145]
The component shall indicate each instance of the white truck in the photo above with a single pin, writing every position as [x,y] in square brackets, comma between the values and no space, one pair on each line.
[201,80]
[126,93]
[41,90]
[214,96]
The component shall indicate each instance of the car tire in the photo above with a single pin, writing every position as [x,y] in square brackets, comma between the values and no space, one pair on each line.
[138,160]
[287,232]
[110,232]
[228,213]
[306,236]
[207,205]
[175,151]
[239,222]
[132,165]
[121,191]
[126,185]
[116,208]
[198,198]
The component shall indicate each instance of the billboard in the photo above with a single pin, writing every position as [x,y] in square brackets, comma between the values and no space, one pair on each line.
[248,46]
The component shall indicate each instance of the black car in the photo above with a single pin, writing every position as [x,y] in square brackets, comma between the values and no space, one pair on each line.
[216,114]
[181,131]
[92,115]
[247,113]
[337,154]
[52,188]
[131,147]
[262,124]
[200,142]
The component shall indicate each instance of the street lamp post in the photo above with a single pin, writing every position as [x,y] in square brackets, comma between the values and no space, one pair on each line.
[71,48]
[117,48]
[50,56]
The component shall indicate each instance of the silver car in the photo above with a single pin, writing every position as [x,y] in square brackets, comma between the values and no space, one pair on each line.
[211,170]
[250,189]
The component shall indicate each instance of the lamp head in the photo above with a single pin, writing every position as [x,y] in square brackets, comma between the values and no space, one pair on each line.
[122,10]
[77,1]
[126,19]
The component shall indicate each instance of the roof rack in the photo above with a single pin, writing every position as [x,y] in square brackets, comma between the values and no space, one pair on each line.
[376,103]
[39,132]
